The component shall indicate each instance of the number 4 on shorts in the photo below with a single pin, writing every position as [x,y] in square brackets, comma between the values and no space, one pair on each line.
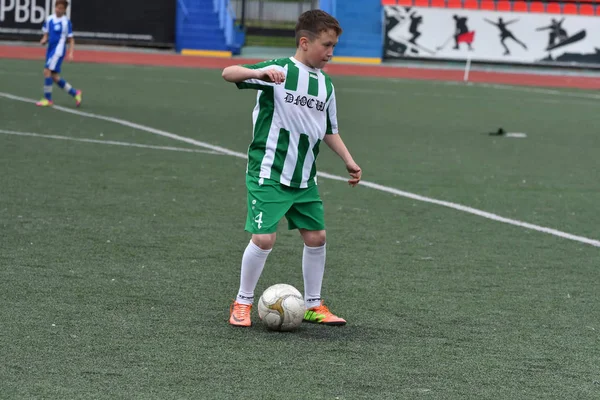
[259,220]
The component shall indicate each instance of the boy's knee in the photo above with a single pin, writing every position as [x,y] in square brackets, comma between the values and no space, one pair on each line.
[265,242]
[314,238]
[47,73]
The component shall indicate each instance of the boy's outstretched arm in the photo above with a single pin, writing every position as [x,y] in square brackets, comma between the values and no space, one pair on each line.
[237,73]
[44,39]
[336,144]
[71,48]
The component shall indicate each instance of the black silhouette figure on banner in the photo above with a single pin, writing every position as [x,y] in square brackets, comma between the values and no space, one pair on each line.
[558,32]
[415,21]
[461,34]
[584,58]
[402,32]
[505,33]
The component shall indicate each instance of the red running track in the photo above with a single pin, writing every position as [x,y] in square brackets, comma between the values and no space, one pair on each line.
[176,60]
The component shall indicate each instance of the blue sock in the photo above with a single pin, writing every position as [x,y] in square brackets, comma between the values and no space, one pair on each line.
[48,88]
[68,88]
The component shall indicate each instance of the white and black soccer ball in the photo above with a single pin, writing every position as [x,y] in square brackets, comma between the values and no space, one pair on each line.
[281,307]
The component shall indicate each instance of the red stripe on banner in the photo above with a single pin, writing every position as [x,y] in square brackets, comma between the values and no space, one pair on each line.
[503,6]
[472,4]
[570,9]
[586,9]
[520,6]
[488,5]
[536,6]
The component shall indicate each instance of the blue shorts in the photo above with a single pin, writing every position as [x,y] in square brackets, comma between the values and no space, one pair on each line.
[53,60]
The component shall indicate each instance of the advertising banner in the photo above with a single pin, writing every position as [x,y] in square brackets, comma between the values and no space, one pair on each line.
[491,36]
[139,22]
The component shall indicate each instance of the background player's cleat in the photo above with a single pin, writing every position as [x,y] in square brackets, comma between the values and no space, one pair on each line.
[44,103]
[239,314]
[321,315]
[78,98]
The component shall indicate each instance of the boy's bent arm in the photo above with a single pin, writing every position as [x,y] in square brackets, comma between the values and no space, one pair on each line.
[71,47]
[336,144]
[237,74]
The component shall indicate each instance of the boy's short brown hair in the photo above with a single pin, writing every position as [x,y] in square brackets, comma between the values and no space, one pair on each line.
[63,2]
[311,23]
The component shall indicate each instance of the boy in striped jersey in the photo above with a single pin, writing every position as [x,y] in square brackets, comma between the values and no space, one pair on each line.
[295,111]
[57,31]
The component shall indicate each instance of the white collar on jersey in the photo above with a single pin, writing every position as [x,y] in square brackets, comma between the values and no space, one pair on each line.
[306,67]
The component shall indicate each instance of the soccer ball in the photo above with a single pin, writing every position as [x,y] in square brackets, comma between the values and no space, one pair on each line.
[281,307]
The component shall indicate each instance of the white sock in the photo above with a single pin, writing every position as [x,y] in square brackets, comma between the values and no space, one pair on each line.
[313,269]
[253,263]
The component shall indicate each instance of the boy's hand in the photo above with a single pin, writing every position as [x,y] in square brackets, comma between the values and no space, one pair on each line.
[271,75]
[43,40]
[71,56]
[355,173]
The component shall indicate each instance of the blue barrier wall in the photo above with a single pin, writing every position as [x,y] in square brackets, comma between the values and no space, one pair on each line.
[362,22]
[200,26]
[328,6]
[206,25]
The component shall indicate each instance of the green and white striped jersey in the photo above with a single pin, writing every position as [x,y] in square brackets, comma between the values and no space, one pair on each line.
[290,121]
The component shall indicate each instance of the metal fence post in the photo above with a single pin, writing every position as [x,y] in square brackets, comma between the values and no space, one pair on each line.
[243,14]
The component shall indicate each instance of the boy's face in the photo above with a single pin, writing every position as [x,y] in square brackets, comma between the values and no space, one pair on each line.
[60,10]
[320,50]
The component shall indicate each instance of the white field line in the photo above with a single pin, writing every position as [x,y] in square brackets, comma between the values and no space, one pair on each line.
[469,210]
[112,142]
[552,92]
[565,95]
[135,126]
[368,184]
[121,78]
[570,98]
[589,95]
[583,94]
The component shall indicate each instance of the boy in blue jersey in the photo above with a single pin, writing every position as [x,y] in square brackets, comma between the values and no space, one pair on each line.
[57,30]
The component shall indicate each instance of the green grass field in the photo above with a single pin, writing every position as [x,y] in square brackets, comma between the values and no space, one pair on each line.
[118,263]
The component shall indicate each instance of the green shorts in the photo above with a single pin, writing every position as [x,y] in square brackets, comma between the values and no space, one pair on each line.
[269,201]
